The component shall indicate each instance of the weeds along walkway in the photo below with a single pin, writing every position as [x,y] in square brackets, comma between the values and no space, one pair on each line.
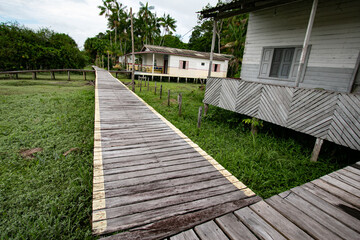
[149,178]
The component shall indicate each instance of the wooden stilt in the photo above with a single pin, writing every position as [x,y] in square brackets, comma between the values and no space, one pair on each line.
[317,148]
[168,79]
[254,128]
[206,108]
[185,80]
[178,80]
[160,91]
[132,52]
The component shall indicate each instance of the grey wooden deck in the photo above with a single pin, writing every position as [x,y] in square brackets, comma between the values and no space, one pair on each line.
[149,178]
[326,208]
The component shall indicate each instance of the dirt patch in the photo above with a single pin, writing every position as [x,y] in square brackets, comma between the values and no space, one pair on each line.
[28,153]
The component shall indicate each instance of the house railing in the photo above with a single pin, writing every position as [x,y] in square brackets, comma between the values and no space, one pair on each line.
[331,116]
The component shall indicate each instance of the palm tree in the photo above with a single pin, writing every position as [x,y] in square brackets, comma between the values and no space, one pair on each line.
[168,23]
[148,17]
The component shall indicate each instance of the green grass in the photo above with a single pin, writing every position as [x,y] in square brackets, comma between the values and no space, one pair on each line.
[273,161]
[48,196]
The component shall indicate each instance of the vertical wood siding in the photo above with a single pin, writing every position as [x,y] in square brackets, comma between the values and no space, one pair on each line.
[335,41]
[323,114]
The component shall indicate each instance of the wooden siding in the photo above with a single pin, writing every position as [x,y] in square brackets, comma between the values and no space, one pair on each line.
[335,41]
[327,115]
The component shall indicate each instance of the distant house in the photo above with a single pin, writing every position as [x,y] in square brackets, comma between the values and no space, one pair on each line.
[300,67]
[174,62]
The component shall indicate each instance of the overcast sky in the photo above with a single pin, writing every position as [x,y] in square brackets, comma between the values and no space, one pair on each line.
[80,18]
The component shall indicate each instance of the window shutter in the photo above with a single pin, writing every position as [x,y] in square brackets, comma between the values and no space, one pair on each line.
[213,68]
[187,64]
[295,66]
[266,62]
[180,64]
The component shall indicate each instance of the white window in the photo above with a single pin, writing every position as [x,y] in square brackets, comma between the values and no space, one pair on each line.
[183,64]
[280,63]
[202,64]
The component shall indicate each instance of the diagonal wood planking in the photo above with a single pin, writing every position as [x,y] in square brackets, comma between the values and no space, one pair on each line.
[323,114]
[147,172]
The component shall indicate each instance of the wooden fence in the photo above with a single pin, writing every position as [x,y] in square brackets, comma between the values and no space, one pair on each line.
[331,116]
[14,74]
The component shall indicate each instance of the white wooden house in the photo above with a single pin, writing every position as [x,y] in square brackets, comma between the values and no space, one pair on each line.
[174,62]
[300,67]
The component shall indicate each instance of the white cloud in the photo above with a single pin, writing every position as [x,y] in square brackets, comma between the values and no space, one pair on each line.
[80,19]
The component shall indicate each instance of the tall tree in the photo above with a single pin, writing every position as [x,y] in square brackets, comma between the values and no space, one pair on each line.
[168,24]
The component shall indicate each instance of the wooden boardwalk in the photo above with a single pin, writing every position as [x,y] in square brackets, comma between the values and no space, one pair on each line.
[326,208]
[149,178]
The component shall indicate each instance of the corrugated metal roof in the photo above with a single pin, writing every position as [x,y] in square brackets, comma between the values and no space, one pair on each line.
[183,52]
[237,7]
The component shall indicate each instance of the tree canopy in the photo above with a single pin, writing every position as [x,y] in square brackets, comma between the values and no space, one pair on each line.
[26,49]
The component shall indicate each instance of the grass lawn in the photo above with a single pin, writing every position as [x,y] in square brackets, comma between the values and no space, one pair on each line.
[46,195]
[273,161]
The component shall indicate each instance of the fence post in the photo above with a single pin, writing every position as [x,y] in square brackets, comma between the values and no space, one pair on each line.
[160,91]
[84,74]
[148,85]
[168,97]
[68,75]
[180,103]
[155,88]
[199,117]
[52,75]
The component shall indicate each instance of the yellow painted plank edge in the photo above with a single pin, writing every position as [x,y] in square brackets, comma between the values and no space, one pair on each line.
[99,223]
[247,191]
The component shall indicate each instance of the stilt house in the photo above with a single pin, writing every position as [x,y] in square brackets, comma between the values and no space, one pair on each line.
[173,62]
[300,68]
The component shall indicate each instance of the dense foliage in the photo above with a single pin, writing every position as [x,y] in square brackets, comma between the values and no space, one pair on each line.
[23,49]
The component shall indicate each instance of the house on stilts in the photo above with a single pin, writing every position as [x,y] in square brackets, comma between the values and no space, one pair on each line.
[300,68]
[167,62]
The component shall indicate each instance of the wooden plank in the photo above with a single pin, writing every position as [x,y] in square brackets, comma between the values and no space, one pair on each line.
[353,170]
[278,221]
[257,225]
[175,191]
[321,217]
[345,196]
[342,185]
[173,225]
[120,210]
[187,235]
[332,210]
[138,219]
[306,223]
[210,231]
[349,174]
[234,228]
[345,179]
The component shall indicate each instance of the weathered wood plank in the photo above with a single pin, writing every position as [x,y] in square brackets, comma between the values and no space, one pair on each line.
[321,217]
[345,179]
[335,212]
[187,235]
[257,225]
[173,225]
[210,231]
[142,218]
[342,194]
[234,228]
[278,221]
[306,223]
